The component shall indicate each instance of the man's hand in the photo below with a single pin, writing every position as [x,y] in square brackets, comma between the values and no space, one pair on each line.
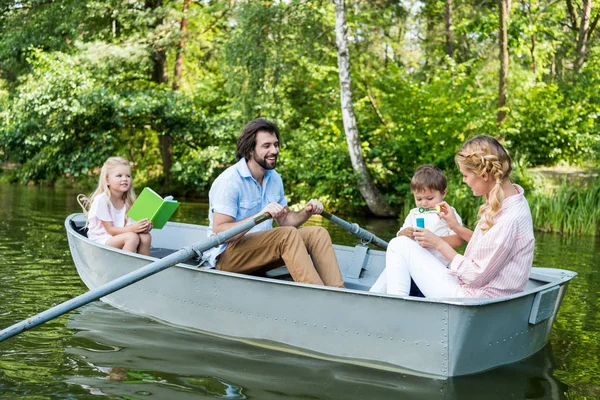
[313,207]
[275,209]
[297,218]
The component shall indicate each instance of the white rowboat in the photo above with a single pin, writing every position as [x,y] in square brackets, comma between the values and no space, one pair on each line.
[441,337]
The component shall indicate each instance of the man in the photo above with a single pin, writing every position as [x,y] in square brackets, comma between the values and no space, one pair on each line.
[252,187]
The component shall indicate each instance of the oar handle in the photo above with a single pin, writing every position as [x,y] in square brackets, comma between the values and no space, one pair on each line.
[356,230]
[131,278]
[222,237]
[262,218]
[326,215]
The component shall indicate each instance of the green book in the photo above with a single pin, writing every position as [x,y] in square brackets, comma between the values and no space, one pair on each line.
[150,205]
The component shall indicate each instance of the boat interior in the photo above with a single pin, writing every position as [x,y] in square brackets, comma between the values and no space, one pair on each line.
[360,265]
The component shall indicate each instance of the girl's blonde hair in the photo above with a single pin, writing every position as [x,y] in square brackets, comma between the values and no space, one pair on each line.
[109,164]
[481,154]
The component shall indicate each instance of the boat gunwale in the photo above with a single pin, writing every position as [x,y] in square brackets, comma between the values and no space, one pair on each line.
[553,276]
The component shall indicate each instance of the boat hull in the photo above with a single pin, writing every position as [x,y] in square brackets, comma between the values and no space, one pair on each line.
[432,337]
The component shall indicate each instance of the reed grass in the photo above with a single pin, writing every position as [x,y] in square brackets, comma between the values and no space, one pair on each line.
[571,208]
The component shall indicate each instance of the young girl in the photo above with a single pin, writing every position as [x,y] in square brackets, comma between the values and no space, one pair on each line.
[499,255]
[107,219]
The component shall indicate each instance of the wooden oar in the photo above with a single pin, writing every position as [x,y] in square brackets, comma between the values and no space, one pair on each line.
[356,230]
[184,254]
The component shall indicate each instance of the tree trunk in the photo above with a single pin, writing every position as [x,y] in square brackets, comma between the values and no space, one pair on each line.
[448,27]
[572,16]
[528,6]
[160,76]
[553,65]
[430,36]
[180,49]
[374,199]
[159,56]
[503,56]
[532,50]
[583,37]
[159,67]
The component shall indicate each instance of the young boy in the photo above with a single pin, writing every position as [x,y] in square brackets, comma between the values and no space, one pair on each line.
[428,186]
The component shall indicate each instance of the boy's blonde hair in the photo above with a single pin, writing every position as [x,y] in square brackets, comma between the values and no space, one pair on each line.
[481,154]
[430,177]
[109,164]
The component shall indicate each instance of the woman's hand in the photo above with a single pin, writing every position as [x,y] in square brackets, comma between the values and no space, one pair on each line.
[427,239]
[447,214]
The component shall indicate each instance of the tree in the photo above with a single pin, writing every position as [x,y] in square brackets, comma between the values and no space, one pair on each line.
[504,8]
[448,28]
[160,77]
[83,79]
[181,47]
[375,200]
[585,32]
[539,20]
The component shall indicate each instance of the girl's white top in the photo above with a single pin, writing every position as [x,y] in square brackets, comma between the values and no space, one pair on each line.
[103,210]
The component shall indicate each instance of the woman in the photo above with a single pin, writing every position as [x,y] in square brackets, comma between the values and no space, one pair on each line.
[499,255]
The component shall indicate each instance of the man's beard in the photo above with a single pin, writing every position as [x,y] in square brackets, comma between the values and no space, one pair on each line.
[263,163]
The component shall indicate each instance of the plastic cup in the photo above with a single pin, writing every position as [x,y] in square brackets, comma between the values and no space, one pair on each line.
[421,223]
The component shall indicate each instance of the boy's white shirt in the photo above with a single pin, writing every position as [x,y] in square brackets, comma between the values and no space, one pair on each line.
[434,224]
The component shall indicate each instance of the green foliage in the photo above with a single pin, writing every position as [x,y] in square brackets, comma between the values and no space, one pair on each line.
[278,59]
[76,85]
[67,119]
[551,123]
[47,126]
[423,122]
[30,23]
[199,168]
[316,164]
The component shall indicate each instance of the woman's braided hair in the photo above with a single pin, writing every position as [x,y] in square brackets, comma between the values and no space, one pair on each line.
[481,154]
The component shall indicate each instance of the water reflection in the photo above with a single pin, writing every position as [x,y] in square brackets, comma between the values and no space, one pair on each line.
[131,355]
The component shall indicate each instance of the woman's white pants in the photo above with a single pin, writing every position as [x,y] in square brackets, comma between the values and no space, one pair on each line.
[404,259]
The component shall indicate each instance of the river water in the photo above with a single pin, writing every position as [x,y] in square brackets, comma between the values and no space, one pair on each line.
[101,351]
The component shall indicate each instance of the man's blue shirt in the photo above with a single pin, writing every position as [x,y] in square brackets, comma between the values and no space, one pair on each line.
[237,194]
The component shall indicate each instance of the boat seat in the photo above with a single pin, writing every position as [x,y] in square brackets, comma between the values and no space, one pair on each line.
[159,252]
[78,224]
[281,273]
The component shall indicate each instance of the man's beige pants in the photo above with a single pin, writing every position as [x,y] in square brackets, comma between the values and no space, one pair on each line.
[287,246]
